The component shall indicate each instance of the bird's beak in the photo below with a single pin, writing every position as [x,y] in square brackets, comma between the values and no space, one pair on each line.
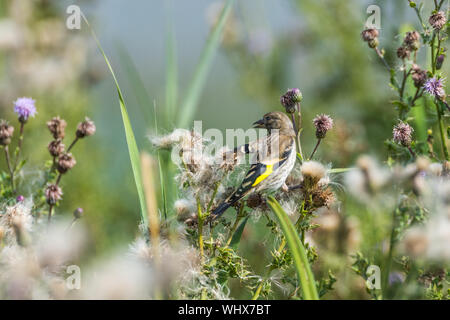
[259,124]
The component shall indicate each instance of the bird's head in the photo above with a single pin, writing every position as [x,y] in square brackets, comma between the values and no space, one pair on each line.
[276,120]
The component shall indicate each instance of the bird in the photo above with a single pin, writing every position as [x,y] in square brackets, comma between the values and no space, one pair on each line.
[274,158]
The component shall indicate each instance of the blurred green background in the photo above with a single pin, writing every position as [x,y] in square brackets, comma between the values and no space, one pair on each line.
[268,46]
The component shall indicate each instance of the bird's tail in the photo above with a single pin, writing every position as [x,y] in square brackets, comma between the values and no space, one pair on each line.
[220,209]
[226,204]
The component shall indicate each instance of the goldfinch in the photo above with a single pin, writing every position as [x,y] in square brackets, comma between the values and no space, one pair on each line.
[273,161]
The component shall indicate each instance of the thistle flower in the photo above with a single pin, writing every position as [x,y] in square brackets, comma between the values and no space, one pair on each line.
[6,133]
[20,198]
[403,53]
[419,76]
[323,124]
[371,37]
[369,34]
[437,20]
[56,126]
[78,213]
[53,194]
[439,61]
[435,87]
[25,108]
[85,128]
[56,147]
[65,162]
[290,99]
[412,40]
[402,133]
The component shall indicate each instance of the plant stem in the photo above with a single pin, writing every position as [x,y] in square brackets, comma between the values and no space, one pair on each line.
[388,261]
[58,179]
[382,59]
[412,152]
[50,213]
[315,148]
[8,162]
[19,145]
[441,131]
[200,230]
[72,144]
[278,252]
[405,76]
[433,65]
[216,189]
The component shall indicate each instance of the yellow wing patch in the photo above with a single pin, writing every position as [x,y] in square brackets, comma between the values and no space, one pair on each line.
[266,173]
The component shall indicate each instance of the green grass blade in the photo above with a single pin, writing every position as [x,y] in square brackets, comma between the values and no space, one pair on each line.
[161,171]
[236,239]
[129,135]
[137,84]
[193,94]
[298,252]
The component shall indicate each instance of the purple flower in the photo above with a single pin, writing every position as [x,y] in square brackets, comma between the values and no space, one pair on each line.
[20,198]
[435,87]
[323,123]
[25,108]
[290,99]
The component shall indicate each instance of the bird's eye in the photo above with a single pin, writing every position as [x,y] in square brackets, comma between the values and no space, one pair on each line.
[267,118]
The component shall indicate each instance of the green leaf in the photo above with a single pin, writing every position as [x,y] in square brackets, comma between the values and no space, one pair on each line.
[129,135]
[298,252]
[137,84]
[193,94]
[236,239]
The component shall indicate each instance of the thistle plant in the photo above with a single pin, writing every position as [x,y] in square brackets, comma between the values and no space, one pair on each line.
[62,159]
[206,180]
[412,81]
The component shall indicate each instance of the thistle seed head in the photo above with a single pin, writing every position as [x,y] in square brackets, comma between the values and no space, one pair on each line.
[402,134]
[312,172]
[65,162]
[412,40]
[403,53]
[86,128]
[437,20]
[53,194]
[419,76]
[369,35]
[6,133]
[56,148]
[57,126]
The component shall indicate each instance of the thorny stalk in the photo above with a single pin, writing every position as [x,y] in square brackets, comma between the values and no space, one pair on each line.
[8,162]
[441,131]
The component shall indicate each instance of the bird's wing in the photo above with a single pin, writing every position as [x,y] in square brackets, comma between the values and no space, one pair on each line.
[257,173]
